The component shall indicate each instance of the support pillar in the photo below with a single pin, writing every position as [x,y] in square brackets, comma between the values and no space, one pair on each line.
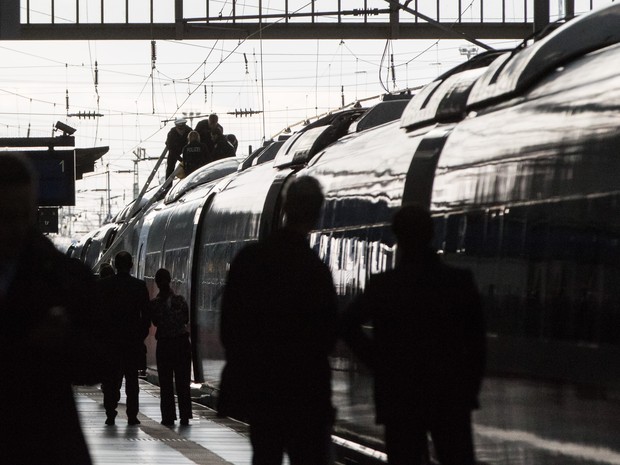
[178,19]
[541,14]
[569,9]
[9,20]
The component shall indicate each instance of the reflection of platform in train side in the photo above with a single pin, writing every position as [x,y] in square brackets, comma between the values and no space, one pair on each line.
[519,422]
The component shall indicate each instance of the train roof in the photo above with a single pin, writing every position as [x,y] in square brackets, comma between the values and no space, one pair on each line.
[496,76]
[124,213]
[208,173]
[514,72]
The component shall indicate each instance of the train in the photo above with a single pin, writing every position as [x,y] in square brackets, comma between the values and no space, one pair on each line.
[517,155]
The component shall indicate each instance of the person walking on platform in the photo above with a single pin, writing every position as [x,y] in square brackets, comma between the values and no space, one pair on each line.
[175,141]
[195,154]
[427,348]
[50,332]
[106,270]
[170,314]
[125,303]
[278,326]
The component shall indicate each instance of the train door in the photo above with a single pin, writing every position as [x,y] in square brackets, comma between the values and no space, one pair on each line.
[419,183]
[272,217]
[197,367]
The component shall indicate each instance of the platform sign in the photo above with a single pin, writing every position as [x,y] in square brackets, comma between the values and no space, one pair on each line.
[56,171]
[48,220]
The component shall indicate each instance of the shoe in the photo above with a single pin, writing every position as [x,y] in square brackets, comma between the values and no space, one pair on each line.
[184,421]
[109,421]
[133,421]
[167,422]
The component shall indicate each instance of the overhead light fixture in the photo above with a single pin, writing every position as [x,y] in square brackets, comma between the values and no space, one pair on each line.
[65,128]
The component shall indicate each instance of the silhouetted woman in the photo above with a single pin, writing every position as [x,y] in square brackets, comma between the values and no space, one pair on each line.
[170,314]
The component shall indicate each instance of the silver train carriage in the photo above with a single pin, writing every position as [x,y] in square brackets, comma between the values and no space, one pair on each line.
[517,155]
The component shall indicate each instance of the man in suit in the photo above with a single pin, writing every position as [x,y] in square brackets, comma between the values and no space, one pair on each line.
[427,348]
[49,332]
[125,303]
[278,327]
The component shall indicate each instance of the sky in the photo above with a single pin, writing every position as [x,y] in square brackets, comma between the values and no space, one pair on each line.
[289,81]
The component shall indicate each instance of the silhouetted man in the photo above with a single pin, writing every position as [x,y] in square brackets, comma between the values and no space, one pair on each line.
[427,348]
[204,128]
[222,148]
[125,302]
[278,327]
[48,336]
[175,141]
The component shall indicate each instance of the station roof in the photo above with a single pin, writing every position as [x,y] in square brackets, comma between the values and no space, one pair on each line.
[85,158]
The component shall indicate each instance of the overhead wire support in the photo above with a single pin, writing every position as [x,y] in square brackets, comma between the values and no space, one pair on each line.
[438,25]
[241,113]
[153,61]
[85,115]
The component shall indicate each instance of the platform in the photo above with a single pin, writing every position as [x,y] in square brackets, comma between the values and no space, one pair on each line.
[521,423]
[206,441]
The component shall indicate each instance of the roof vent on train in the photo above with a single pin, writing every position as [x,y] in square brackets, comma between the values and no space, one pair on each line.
[216,170]
[441,101]
[445,99]
[515,72]
[381,113]
[266,153]
[301,147]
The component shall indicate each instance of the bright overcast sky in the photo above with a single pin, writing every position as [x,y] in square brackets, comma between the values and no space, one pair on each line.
[288,80]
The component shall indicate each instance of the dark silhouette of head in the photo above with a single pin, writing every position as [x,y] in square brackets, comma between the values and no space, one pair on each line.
[216,132]
[233,140]
[302,204]
[106,270]
[18,204]
[163,279]
[413,227]
[213,119]
[123,262]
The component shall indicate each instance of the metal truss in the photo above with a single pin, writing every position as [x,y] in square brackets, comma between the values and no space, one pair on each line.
[288,19]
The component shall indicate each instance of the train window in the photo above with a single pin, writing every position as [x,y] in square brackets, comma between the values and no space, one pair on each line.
[544,271]
[452,225]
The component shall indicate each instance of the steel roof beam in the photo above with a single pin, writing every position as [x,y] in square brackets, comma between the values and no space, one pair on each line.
[240,31]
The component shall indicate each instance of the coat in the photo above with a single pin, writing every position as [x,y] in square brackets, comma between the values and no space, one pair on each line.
[124,302]
[51,337]
[175,142]
[196,155]
[278,326]
[428,347]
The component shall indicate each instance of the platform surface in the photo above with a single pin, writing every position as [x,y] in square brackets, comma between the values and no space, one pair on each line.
[204,442]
